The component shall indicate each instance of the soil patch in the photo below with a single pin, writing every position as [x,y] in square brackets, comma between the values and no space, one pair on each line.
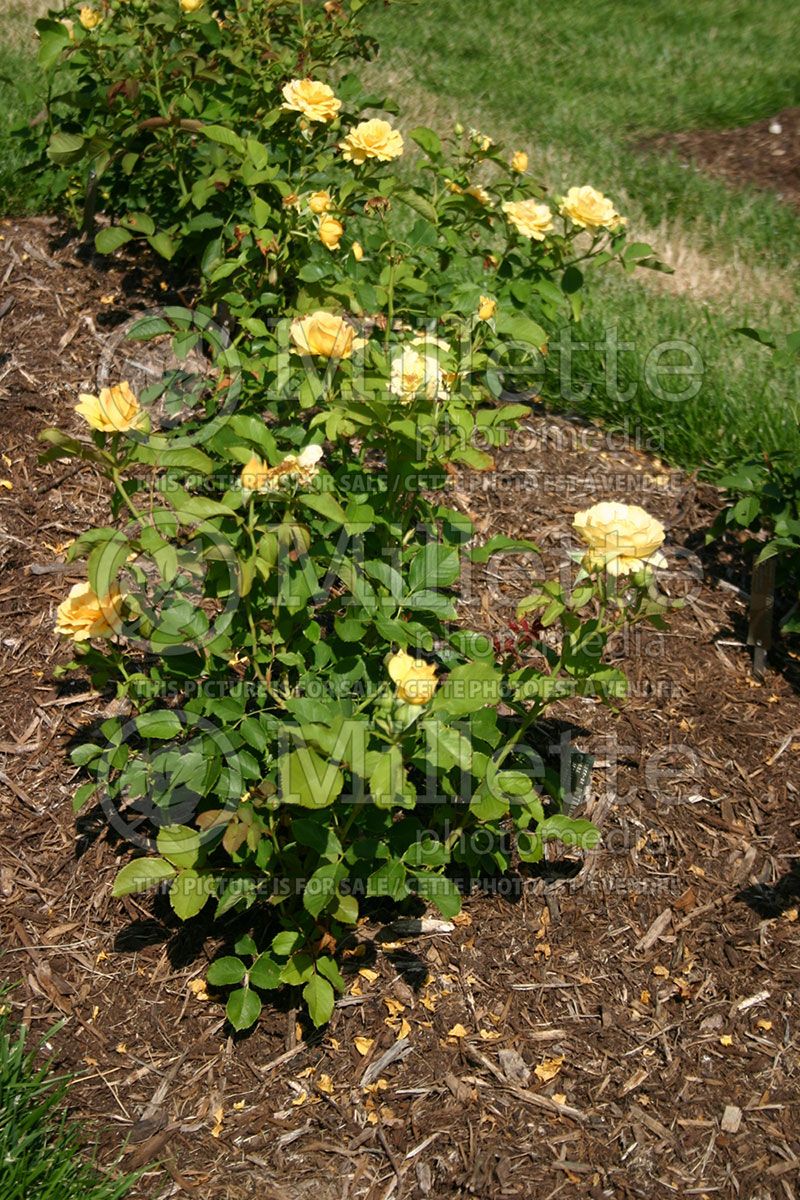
[622,1025]
[764,154]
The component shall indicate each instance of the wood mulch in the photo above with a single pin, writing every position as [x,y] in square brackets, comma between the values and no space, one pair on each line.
[764,154]
[624,1025]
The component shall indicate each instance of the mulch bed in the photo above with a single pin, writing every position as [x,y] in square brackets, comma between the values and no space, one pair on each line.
[764,154]
[652,987]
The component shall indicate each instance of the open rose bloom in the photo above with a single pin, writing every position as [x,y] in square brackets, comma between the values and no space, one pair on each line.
[372,139]
[324,335]
[84,615]
[622,538]
[590,209]
[313,99]
[114,410]
[531,219]
[414,374]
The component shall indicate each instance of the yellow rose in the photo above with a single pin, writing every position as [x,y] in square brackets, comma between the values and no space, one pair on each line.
[372,139]
[621,538]
[325,334]
[258,476]
[413,373]
[84,615]
[519,162]
[330,231]
[358,251]
[313,99]
[454,187]
[486,308]
[191,6]
[113,411]
[590,209]
[89,17]
[319,202]
[480,194]
[533,220]
[415,679]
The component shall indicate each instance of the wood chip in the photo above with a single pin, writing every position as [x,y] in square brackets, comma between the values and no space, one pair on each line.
[731,1119]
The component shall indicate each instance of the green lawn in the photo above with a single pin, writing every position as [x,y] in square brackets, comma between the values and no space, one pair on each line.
[577,85]
[40,1154]
[21,97]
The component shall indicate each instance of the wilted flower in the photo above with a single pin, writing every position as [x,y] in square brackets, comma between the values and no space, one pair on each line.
[315,100]
[590,209]
[113,411]
[84,615]
[372,139]
[479,193]
[621,538]
[258,476]
[414,678]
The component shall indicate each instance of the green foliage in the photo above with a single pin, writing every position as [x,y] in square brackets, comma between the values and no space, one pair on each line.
[766,492]
[40,1153]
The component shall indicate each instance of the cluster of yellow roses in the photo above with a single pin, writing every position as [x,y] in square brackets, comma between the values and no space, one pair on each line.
[584,206]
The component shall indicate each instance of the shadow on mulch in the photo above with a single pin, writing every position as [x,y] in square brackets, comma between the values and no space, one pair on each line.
[764,154]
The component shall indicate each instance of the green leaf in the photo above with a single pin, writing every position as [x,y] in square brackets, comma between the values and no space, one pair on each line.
[571,831]
[161,723]
[65,147]
[427,140]
[284,943]
[225,137]
[520,329]
[225,971]
[389,880]
[468,688]
[387,782]
[109,240]
[53,38]
[419,205]
[326,505]
[265,973]
[243,1008]
[138,222]
[482,554]
[163,244]
[571,280]
[179,844]
[309,780]
[319,996]
[441,892]
[189,893]
[142,874]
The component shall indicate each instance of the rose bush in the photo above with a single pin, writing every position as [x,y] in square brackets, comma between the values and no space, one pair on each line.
[311,727]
